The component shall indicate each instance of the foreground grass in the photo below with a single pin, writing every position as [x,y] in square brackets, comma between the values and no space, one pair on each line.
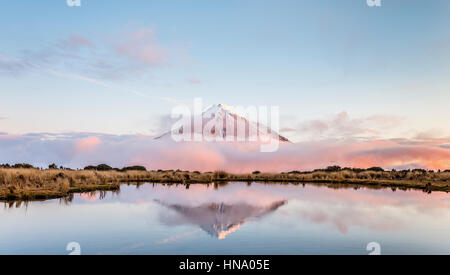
[31,184]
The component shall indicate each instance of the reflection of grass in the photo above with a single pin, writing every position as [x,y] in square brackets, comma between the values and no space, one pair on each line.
[26,184]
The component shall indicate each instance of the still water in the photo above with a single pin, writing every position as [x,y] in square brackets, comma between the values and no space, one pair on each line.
[237,218]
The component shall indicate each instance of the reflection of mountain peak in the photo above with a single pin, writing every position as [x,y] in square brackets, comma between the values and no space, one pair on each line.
[220,219]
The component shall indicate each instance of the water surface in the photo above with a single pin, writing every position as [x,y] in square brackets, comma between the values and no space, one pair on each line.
[237,218]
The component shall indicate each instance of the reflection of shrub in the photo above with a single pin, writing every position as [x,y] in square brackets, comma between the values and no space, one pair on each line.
[220,175]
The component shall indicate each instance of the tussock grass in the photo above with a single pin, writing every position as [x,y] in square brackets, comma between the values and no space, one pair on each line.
[31,183]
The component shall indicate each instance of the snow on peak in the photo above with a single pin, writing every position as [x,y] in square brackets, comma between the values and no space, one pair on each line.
[221,122]
[215,108]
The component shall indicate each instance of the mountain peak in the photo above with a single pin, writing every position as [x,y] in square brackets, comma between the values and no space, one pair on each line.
[221,121]
[219,108]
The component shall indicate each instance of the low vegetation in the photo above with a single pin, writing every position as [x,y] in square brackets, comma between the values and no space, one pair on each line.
[24,182]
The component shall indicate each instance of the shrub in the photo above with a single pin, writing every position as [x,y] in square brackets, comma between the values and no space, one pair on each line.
[104,167]
[23,165]
[376,169]
[334,168]
[134,168]
[53,166]
[423,171]
[256,172]
[100,167]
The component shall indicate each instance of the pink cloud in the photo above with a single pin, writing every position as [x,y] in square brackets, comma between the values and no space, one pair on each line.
[194,80]
[87,144]
[77,41]
[300,156]
[142,46]
[79,150]
[343,125]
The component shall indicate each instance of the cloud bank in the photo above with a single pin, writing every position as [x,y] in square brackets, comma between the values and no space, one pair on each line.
[77,150]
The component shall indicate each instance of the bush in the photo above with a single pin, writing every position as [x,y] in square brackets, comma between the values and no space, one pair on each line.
[376,169]
[100,167]
[423,171]
[134,168]
[104,167]
[23,165]
[53,166]
[256,172]
[334,168]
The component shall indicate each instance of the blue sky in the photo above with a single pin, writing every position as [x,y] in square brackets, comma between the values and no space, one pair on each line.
[107,65]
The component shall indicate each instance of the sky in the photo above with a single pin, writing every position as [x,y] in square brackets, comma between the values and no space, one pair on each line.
[336,69]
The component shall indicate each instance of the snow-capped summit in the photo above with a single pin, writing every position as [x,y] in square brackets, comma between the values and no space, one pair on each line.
[220,122]
[218,108]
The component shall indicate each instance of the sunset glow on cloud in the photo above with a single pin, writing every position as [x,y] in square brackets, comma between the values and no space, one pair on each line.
[78,151]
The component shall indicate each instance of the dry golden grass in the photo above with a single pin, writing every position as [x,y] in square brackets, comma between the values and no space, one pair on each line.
[27,184]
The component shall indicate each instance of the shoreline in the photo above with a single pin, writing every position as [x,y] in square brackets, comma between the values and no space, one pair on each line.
[34,184]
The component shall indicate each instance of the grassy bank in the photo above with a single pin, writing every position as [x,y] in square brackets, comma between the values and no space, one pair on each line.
[31,183]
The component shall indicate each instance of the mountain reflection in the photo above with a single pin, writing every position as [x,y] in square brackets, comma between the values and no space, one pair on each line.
[221,219]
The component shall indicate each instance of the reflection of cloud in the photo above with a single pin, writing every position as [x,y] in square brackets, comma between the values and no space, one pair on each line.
[377,210]
[220,219]
[344,216]
[177,237]
[91,196]
[345,210]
